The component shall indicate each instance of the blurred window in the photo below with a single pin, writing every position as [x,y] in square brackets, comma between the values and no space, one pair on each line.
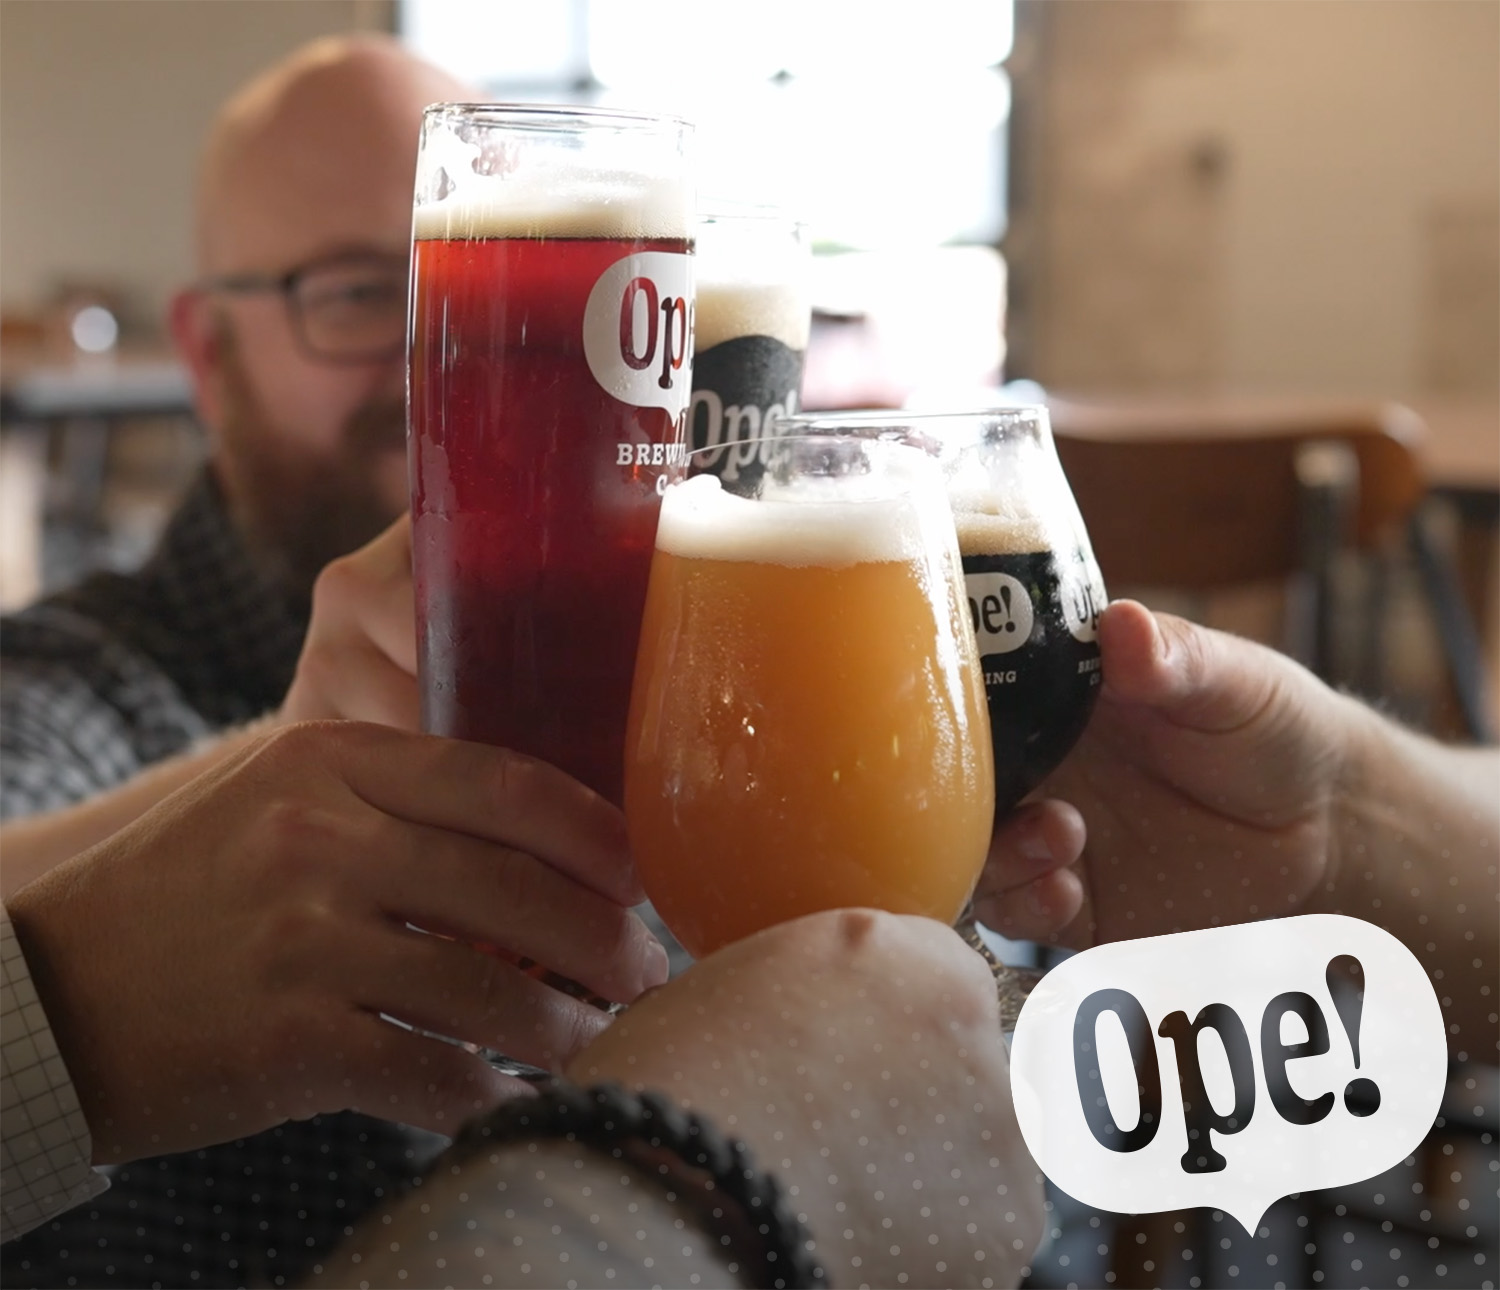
[884,127]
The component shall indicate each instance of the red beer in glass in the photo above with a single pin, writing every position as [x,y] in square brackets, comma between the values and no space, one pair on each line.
[550,361]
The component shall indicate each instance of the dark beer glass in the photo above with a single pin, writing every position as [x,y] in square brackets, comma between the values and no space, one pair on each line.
[1034,592]
[753,316]
[550,358]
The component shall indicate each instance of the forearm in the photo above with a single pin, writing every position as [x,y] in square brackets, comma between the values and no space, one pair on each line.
[1418,834]
[30,846]
[540,1214]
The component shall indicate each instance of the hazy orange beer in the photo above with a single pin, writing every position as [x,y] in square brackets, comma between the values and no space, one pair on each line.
[808,726]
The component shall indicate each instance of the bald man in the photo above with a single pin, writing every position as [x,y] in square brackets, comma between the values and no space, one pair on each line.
[293,335]
[195,678]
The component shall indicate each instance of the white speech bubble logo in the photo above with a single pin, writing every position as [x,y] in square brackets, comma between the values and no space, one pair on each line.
[1264,1020]
[1000,607]
[637,330]
[1082,596]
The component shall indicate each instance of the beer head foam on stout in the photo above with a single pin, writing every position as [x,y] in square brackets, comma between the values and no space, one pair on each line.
[800,524]
[752,275]
[1016,505]
[994,522]
[726,309]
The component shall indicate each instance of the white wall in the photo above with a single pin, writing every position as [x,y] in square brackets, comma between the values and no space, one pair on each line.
[1349,243]
[1351,126]
[103,105]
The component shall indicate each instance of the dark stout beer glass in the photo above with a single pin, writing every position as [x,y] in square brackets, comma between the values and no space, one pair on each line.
[1034,591]
[550,358]
[754,313]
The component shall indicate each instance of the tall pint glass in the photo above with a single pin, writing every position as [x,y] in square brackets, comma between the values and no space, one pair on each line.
[550,357]
[808,729]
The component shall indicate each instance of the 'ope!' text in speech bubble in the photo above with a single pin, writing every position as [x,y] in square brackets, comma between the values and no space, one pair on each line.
[1227,1068]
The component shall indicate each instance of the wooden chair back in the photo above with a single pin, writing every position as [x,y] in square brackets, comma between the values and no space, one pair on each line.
[1204,496]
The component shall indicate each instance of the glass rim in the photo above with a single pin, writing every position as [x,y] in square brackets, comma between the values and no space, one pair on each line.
[761,437]
[895,417]
[767,447]
[533,114]
[711,207]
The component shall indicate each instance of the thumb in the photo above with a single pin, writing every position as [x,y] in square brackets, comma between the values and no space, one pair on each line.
[1195,677]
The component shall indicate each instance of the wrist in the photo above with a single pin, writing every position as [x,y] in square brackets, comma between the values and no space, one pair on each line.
[538,1213]
[30,915]
[709,1176]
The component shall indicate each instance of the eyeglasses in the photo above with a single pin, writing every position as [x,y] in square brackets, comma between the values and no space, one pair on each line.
[348,308]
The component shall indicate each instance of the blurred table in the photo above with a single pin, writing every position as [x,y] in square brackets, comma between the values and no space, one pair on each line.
[1461,452]
[1457,440]
[66,410]
[38,389]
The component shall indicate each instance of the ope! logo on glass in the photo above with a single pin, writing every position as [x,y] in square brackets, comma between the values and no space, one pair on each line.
[1229,1067]
[638,330]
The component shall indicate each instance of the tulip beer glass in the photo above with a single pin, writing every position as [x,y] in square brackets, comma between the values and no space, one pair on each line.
[807,727]
[550,352]
[1034,591]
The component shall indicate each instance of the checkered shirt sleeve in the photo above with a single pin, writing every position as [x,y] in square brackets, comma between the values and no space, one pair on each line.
[46,1146]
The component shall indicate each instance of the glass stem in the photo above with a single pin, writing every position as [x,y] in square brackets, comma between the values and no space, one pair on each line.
[1012,983]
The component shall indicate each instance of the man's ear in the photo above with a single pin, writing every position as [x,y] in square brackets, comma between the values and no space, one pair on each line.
[198,336]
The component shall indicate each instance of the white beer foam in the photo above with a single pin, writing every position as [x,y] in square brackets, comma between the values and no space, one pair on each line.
[599,210]
[539,194]
[727,309]
[800,525]
[986,528]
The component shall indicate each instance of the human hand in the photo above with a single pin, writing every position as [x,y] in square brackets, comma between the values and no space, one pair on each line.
[220,965]
[859,1055]
[1208,781]
[359,660]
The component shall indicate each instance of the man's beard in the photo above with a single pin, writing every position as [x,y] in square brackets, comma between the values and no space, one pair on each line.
[297,512]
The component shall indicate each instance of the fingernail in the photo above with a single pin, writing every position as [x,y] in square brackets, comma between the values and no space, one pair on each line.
[1033,846]
[1160,650]
[658,966]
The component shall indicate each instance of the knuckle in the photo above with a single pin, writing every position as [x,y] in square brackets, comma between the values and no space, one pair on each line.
[859,931]
[295,924]
[573,1027]
[299,832]
[495,985]
[514,780]
[289,944]
[290,751]
[335,582]
[519,884]
[611,934]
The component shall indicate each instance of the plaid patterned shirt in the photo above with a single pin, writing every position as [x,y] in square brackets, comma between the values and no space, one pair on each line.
[97,683]
[46,1145]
